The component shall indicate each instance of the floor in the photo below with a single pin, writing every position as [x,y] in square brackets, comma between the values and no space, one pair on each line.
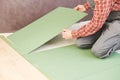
[15,65]
[58,41]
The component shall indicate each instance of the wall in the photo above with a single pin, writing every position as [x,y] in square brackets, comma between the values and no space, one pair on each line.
[15,14]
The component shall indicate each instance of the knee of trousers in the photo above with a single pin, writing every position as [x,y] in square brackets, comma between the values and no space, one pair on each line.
[100,53]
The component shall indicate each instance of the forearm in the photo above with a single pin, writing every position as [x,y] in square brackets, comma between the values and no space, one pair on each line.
[99,17]
[116,6]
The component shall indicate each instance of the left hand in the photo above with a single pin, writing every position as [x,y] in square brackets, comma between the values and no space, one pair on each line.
[80,8]
[67,34]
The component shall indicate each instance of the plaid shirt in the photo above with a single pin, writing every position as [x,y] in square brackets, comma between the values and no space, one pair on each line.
[100,14]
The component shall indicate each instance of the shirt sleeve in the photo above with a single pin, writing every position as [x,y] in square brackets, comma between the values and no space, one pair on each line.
[86,5]
[100,14]
[116,6]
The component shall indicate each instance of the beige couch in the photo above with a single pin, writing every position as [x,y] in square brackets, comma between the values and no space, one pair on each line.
[15,14]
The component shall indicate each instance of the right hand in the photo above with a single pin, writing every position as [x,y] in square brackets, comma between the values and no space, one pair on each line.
[80,8]
[67,34]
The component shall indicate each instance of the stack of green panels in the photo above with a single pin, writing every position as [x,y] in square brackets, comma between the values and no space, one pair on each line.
[72,63]
[44,29]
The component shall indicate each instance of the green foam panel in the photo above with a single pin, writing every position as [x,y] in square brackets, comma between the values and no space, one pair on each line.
[72,63]
[42,30]
[110,74]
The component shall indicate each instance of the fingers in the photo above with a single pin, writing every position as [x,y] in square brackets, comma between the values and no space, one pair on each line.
[79,8]
[65,30]
[66,34]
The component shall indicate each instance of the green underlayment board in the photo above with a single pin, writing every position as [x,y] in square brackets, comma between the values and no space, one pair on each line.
[72,63]
[111,74]
[42,30]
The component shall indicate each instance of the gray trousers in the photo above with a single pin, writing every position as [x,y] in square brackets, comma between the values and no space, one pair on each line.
[104,42]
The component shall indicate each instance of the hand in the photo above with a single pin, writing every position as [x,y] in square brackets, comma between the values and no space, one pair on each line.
[80,8]
[67,34]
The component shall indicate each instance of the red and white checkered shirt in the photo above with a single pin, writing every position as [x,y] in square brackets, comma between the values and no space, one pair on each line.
[100,14]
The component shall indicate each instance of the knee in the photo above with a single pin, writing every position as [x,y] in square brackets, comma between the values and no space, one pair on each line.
[99,53]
